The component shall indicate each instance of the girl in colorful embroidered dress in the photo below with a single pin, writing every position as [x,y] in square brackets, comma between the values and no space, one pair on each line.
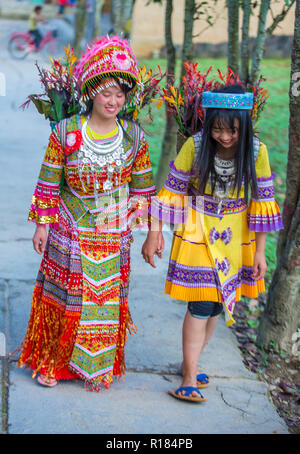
[218,244]
[95,165]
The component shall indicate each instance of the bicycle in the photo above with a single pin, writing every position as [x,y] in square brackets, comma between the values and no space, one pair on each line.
[22,44]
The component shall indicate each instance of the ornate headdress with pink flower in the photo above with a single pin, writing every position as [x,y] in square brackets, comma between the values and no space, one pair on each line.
[106,57]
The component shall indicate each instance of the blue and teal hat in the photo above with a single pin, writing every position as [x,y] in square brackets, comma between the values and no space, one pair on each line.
[227,100]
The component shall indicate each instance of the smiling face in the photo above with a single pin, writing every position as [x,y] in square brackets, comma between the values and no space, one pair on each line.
[109,102]
[225,136]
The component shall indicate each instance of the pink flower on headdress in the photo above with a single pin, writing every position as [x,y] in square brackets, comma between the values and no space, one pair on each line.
[121,60]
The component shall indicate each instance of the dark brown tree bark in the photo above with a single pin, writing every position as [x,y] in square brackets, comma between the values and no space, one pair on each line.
[122,12]
[168,151]
[187,47]
[260,40]
[80,22]
[97,17]
[244,72]
[233,35]
[280,318]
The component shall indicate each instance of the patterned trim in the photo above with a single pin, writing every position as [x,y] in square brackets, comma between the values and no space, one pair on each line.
[209,205]
[244,276]
[265,194]
[171,214]
[191,276]
[177,181]
[265,190]
[265,223]
[227,100]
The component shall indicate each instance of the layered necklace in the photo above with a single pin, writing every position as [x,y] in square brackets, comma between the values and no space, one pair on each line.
[109,157]
[225,169]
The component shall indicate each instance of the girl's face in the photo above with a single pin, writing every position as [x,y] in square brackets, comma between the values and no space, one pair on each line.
[225,136]
[108,103]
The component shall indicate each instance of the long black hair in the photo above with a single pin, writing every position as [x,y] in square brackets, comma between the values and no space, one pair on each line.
[244,158]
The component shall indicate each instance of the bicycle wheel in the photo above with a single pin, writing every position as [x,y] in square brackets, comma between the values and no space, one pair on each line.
[51,49]
[19,47]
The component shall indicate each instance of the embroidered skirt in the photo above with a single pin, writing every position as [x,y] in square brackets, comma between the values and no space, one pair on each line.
[79,317]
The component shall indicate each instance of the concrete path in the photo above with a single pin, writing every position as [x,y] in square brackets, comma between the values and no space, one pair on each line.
[237,402]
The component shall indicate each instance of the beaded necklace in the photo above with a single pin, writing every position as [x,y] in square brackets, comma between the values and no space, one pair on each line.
[225,169]
[109,157]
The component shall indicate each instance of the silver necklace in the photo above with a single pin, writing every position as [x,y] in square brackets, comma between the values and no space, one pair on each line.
[224,167]
[109,157]
[102,149]
[225,170]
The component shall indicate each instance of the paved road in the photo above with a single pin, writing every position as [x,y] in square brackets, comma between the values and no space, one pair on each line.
[237,402]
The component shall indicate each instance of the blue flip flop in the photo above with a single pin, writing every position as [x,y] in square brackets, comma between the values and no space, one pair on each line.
[202,381]
[188,394]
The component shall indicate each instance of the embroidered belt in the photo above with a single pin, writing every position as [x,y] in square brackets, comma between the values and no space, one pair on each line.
[210,205]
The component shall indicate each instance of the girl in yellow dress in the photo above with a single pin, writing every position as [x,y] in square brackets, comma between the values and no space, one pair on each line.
[218,249]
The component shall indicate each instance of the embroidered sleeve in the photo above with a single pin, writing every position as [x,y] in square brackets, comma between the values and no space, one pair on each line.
[264,214]
[170,204]
[141,185]
[46,197]
[142,182]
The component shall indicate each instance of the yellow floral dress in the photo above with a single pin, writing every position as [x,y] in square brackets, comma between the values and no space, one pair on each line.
[213,247]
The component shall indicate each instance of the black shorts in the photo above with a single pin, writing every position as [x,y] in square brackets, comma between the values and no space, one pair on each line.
[205,309]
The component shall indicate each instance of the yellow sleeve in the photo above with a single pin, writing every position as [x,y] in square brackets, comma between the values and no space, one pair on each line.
[185,158]
[264,214]
[262,164]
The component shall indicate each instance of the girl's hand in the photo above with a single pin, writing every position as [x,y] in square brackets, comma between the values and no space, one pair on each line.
[39,239]
[160,246]
[259,266]
[154,244]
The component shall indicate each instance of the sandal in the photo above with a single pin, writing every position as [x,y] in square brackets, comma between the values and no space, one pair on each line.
[202,381]
[187,396]
[44,381]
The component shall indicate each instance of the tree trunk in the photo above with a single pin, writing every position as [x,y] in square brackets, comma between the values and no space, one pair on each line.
[97,18]
[260,40]
[282,312]
[122,12]
[117,16]
[187,47]
[233,35]
[244,73]
[168,151]
[80,21]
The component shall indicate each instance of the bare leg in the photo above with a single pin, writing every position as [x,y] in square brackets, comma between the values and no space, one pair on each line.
[195,336]
[210,327]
